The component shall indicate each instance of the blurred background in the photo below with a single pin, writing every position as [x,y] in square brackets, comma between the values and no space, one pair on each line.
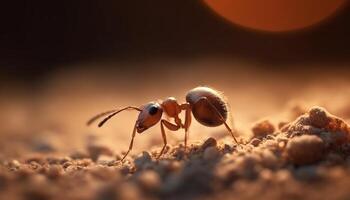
[64,61]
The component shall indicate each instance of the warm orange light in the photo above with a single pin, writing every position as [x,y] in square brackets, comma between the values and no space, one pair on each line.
[275,15]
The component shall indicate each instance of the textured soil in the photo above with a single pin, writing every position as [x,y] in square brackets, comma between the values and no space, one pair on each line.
[305,158]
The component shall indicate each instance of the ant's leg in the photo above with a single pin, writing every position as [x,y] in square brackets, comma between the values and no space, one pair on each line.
[164,139]
[131,142]
[171,127]
[204,99]
[188,119]
[231,121]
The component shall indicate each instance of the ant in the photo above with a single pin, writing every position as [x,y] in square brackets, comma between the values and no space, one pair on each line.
[206,104]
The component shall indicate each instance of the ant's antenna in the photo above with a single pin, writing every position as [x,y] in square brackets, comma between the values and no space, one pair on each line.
[92,120]
[114,112]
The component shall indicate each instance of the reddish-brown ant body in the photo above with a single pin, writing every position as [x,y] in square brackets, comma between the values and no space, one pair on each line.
[207,106]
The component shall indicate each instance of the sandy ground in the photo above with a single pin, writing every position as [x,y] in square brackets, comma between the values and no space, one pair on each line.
[45,143]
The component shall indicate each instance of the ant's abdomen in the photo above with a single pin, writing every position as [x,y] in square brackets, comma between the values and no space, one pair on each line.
[205,104]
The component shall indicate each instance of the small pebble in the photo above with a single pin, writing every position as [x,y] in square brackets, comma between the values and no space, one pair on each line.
[281,125]
[14,164]
[141,160]
[210,142]
[305,149]
[263,128]
[283,175]
[170,166]
[95,151]
[149,180]
[334,159]
[269,159]
[255,142]
[211,153]
[78,155]
[55,171]
[266,175]
[307,173]
[318,117]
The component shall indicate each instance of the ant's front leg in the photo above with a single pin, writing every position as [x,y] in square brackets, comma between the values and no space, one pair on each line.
[131,143]
[170,126]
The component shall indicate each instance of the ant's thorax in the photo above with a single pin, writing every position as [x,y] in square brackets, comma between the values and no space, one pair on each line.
[171,107]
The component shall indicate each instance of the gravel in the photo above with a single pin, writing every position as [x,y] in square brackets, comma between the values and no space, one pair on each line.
[273,164]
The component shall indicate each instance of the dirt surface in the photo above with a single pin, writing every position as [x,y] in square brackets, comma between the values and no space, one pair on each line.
[289,148]
[307,158]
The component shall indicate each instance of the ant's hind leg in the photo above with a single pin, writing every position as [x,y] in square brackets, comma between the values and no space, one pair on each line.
[204,99]
[171,127]
[188,119]
[131,143]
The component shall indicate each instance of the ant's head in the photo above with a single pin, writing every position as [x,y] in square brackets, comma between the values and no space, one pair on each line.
[150,115]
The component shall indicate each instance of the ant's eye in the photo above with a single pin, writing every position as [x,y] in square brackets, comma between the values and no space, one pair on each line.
[153,110]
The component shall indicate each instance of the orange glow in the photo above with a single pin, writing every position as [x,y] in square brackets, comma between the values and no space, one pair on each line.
[275,15]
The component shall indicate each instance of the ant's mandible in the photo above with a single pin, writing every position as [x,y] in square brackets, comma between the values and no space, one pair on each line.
[207,105]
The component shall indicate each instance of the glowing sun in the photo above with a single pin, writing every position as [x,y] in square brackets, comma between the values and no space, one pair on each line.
[275,15]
